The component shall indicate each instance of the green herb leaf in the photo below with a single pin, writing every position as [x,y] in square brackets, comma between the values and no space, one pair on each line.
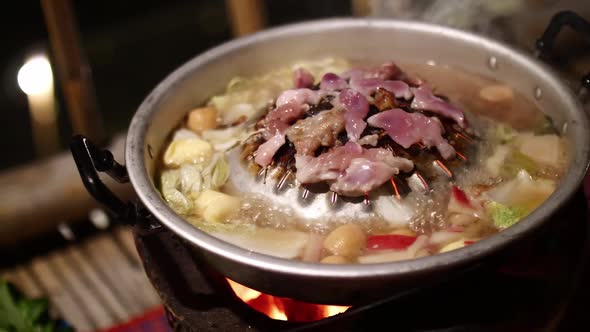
[517,161]
[33,309]
[219,173]
[20,314]
[546,127]
[9,312]
[504,216]
[504,134]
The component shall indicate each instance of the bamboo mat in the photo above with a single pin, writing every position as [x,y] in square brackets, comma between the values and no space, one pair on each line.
[93,285]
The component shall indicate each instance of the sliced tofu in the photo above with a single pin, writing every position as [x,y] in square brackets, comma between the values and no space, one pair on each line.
[215,206]
[453,245]
[497,93]
[544,149]
[391,256]
[269,241]
[442,238]
[523,191]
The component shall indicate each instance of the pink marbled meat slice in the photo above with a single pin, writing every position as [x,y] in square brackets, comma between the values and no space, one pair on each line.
[424,99]
[351,170]
[290,106]
[300,97]
[267,150]
[391,71]
[388,71]
[279,119]
[333,82]
[368,86]
[320,130]
[327,166]
[366,174]
[410,128]
[356,109]
[302,78]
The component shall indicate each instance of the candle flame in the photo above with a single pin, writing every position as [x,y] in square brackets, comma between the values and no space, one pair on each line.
[35,76]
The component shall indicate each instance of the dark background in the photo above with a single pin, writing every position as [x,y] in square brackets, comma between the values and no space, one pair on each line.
[130,47]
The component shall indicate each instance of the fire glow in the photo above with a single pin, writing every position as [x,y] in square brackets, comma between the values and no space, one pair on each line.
[282,308]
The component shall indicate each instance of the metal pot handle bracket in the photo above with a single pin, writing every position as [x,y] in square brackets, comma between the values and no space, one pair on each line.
[545,44]
[90,160]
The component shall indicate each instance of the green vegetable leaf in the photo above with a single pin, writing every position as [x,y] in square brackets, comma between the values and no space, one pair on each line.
[219,173]
[504,216]
[9,312]
[504,134]
[33,309]
[20,314]
[50,327]
[546,127]
[516,162]
[169,184]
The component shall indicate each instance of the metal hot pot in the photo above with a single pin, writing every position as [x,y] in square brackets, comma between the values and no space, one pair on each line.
[355,38]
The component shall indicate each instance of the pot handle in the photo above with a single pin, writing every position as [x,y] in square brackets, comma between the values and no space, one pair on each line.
[90,159]
[544,45]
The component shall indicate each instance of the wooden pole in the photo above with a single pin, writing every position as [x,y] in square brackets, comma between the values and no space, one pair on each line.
[72,69]
[361,7]
[246,16]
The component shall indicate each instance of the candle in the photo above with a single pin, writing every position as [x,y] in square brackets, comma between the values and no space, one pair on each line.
[35,78]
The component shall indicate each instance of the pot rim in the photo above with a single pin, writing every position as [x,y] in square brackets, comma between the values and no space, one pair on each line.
[150,197]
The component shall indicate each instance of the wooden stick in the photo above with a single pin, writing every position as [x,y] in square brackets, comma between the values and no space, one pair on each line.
[76,284]
[246,16]
[361,7]
[92,276]
[61,296]
[127,281]
[72,69]
[22,278]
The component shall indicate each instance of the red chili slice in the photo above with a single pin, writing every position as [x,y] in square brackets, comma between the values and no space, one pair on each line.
[468,242]
[461,197]
[389,241]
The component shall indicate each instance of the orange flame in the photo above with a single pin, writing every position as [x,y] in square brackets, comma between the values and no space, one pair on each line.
[282,308]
